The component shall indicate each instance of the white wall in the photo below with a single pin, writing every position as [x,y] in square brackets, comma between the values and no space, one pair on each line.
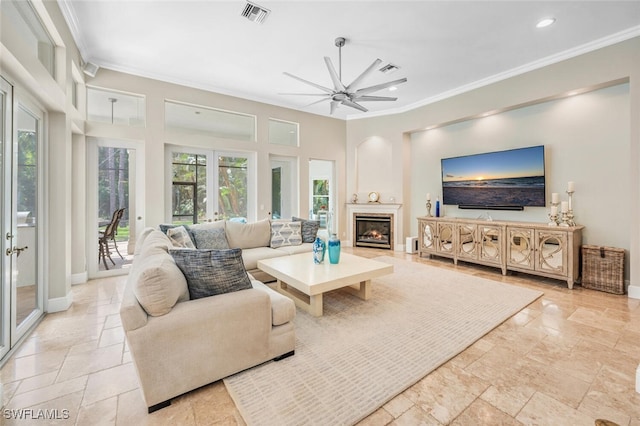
[586,139]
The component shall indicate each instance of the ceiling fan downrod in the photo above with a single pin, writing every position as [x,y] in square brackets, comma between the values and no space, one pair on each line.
[340,41]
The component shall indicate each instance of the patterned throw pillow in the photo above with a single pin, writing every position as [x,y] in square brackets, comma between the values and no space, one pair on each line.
[212,272]
[164,227]
[210,238]
[309,229]
[285,234]
[180,237]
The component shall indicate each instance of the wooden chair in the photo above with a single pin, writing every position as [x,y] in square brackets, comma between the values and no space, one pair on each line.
[109,233]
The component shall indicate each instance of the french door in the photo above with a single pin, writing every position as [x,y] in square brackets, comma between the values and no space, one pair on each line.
[115,196]
[205,185]
[22,291]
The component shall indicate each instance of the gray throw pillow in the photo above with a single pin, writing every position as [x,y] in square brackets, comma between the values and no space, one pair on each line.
[212,272]
[210,238]
[309,229]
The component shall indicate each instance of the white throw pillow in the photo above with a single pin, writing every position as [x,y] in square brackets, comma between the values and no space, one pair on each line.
[179,236]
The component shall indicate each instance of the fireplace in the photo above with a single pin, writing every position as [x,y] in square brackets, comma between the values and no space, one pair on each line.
[373,230]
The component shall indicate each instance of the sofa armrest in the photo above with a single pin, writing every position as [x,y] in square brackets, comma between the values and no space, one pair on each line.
[132,314]
[201,341]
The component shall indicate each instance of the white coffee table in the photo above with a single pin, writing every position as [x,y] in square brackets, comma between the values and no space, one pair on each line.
[305,282]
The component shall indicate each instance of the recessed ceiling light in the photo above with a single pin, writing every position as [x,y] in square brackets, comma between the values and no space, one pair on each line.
[545,22]
[392,88]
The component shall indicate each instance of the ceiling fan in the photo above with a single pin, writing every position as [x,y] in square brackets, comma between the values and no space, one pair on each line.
[352,94]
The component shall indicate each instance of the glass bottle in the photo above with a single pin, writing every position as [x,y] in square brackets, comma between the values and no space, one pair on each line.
[334,249]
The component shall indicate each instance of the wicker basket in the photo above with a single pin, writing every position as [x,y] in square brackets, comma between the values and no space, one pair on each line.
[603,268]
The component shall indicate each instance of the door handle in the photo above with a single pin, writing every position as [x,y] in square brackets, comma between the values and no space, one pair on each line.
[16,250]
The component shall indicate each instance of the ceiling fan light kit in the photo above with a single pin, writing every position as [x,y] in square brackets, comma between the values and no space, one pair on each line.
[349,95]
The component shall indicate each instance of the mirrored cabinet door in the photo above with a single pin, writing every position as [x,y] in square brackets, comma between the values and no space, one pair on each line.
[428,235]
[490,244]
[520,248]
[446,238]
[552,252]
[467,244]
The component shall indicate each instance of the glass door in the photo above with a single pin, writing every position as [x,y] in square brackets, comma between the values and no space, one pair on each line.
[28,297]
[197,174]
[117,202]
[21,295]
[5,226]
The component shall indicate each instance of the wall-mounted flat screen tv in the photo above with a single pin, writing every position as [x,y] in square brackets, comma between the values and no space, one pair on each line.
[506,180]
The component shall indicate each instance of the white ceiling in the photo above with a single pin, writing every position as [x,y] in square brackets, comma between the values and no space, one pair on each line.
[441,47]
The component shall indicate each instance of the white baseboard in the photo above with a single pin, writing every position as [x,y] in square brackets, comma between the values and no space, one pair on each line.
[633,291]
[80,278]
[59,304]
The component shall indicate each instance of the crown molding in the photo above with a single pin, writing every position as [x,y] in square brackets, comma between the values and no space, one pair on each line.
[541,63]
[66,7]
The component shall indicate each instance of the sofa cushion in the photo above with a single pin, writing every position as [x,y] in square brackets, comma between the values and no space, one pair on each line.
[157,282]
[250,257]
[309,229]
[212,272]
[155,242]
[248,235]
[140,240]
[180,237]
[283,309]
[302,248]
[285,234]
[210,238]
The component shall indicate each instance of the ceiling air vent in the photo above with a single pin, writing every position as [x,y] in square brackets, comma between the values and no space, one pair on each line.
[255,13]
[389,68]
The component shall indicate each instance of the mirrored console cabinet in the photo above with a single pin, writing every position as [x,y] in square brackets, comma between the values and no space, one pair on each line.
[534,248]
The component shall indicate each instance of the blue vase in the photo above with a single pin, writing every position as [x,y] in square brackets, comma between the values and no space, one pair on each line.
[334,249]
[318,251]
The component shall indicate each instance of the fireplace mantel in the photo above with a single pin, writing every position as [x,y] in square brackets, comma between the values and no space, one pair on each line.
[390,208]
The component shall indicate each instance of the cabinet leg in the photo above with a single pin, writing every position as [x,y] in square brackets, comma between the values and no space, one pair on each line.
[570,283]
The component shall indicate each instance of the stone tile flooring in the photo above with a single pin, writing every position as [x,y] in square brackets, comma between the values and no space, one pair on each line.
[567,359]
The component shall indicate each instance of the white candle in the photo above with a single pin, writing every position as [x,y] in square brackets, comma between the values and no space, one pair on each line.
[565,206]
[570,187]
[554,198]
[428,197]
[554,210]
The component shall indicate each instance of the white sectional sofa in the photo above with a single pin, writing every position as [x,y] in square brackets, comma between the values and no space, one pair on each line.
[178,344]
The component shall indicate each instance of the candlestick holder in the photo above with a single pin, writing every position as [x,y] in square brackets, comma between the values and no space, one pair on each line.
[429,208]
[565,219]
[570,221]
[555,218]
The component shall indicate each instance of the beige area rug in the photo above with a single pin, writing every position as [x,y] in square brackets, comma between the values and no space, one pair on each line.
[361,354]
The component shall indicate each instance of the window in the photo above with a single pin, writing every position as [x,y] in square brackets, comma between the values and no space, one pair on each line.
[189,188]
[232,187]
[198,175]
[32,31]
[199,120]
[283,132]
[113,107]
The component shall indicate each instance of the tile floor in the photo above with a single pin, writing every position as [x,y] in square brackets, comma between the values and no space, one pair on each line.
[567,359]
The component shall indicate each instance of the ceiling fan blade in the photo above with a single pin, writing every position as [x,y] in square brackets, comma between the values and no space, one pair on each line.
[355,83]
[374,98]
[324,89]
[334,105]
[317,102]
[304,94]
[354,105]
[334,75]
[379,87]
